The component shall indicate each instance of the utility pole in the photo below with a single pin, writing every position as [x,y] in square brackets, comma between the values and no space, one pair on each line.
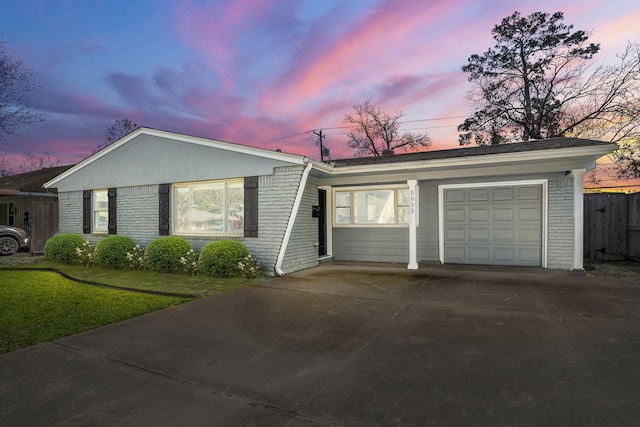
[319,142]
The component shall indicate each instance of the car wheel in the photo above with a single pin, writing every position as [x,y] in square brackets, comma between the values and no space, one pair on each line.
[8,246]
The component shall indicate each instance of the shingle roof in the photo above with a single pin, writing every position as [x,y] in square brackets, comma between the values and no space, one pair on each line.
[542,144]
[31,182]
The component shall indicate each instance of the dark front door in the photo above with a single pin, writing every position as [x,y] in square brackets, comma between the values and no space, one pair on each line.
[322,222]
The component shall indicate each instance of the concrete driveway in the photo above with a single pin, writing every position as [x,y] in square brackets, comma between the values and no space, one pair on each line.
[351,345]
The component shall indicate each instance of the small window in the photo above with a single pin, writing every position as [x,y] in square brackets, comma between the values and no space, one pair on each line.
[343,207]
[209,208]
[384,206]
[100,211]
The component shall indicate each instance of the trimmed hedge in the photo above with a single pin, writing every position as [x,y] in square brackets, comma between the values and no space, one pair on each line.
[222,258]
[112,251]
[164,254]
[63,248]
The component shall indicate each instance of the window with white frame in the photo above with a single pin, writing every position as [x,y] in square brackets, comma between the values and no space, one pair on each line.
[209,208]
[372,206]
[100,211]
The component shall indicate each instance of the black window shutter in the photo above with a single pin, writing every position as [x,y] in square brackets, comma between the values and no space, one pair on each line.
[86,211]
[251,206]
[164,205]
[111,194]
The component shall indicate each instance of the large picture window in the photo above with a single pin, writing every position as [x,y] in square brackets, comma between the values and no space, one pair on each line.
[213,208]
[100,211]
[380,206]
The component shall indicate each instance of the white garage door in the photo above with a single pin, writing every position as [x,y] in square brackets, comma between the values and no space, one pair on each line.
[493,225]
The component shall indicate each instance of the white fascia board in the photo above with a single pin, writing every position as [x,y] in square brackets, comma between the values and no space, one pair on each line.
[323,167]
[588,153]
[259,152]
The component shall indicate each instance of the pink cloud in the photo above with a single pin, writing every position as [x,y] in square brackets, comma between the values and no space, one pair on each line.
[367,51]
[216,29]
[614,35]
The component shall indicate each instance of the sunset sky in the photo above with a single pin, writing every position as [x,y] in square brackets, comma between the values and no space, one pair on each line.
[263,73]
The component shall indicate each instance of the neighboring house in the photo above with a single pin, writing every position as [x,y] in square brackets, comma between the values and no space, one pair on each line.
[22,193]
[514,204]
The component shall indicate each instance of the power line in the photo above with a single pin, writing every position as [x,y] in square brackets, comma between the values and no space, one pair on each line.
[432,119]
[285,137]
[297,141]
[355,125]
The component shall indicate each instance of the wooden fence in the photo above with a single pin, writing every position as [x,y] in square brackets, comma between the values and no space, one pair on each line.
[611,226]
[44,224]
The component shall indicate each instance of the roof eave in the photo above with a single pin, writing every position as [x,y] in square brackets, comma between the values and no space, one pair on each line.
[273,155]
[589,154]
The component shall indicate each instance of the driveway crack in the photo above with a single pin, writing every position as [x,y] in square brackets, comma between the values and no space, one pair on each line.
[184,382]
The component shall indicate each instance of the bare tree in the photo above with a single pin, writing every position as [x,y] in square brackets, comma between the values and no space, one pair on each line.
[34,162]
[16,86]
[525,86]
[4,164]
[609,109]
[376,132]
[117,130]
[537,82]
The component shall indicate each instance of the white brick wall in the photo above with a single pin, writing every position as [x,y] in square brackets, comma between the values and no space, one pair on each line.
[302,251]
[276,195]
[70,212]
[137,213]
[560,223]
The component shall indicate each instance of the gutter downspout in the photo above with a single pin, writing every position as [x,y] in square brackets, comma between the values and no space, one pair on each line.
[292,219]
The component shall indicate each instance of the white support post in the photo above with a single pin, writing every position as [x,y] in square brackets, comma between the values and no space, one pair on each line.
[578,212]
[413,209]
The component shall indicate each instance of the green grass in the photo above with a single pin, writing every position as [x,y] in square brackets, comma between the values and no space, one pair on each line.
[183,284]
[38,305]
[42,306]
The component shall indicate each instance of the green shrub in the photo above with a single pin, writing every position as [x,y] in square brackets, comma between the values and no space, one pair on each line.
[136,258]
[223,258]
[164,254]
[64,248]
[249,267]
[112,251]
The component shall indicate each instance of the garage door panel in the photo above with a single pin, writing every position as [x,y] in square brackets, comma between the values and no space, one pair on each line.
[530,235]
[529,213]
[502,193]
[454,195]
[495,225]
[505,213]
[477,234]
[454,214]
[529,192]
[478,195]
[529,256]
[503,235]
[479,254]
[478,214]
[455,253]
[455,234]
[504,255]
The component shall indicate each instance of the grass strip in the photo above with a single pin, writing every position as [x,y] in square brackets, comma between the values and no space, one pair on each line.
[40,306]
[153,282]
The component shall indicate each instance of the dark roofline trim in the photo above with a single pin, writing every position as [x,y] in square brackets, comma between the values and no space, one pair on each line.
[522,147]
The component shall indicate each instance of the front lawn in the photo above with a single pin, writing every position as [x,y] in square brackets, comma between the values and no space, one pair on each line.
[40,306]
[173,283]
[37,305]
